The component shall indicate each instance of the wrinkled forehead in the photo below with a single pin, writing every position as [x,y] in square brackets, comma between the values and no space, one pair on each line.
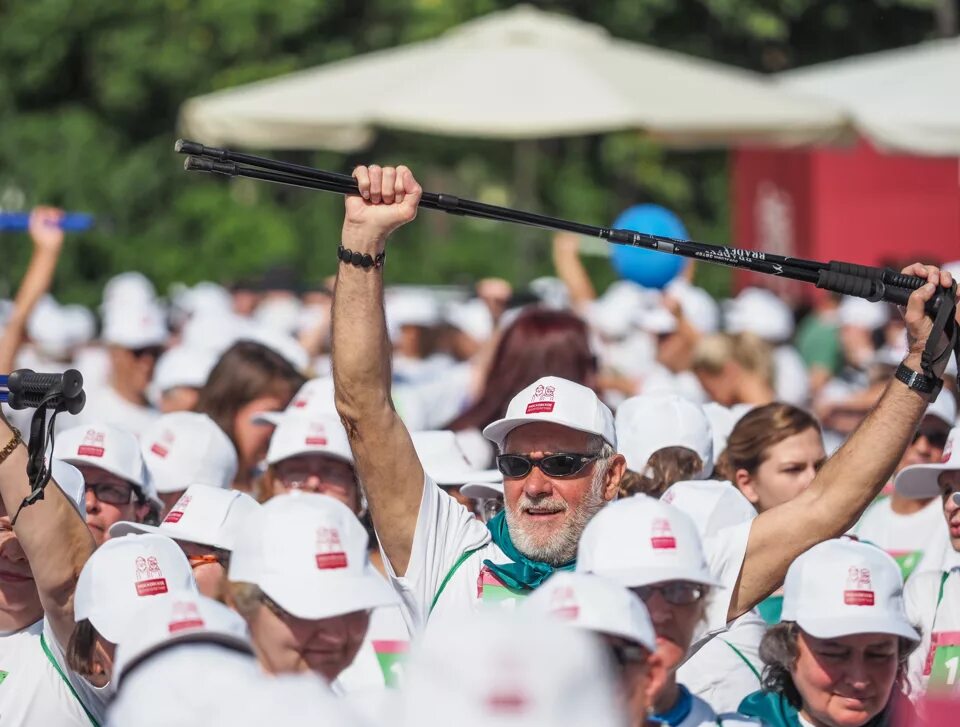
[549,437]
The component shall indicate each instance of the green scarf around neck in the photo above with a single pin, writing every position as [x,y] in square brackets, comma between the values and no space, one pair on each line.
[523,574]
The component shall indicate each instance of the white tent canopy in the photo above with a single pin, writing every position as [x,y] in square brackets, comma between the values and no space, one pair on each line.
[516,74]
[904,100]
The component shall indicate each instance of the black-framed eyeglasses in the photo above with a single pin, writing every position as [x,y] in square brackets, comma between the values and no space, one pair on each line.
[112,493]
[152,351]
[562,464]
[676,593]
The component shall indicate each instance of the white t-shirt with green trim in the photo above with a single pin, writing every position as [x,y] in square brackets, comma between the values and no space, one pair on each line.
[32,692]
[935,664]
[906,538]
[448,535]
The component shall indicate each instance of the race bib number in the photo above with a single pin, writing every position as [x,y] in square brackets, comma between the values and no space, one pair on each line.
[390,656]
[939,641]
[491,590]
[945,669]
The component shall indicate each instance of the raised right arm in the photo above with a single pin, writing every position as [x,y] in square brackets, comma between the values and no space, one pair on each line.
[386,461]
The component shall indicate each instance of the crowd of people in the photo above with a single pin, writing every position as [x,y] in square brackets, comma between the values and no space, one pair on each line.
[364,505]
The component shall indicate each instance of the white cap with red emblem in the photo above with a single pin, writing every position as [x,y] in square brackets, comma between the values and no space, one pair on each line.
[596,604]
[184,617]
[315,433]
[525,670]
[204,515]
[308,553]
[639,540]
[314,397]
[122,573]
[842,587]
[921,480]
[186,448]
[558,401]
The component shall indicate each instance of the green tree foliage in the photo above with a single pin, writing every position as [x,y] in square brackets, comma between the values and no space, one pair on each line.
[90,90]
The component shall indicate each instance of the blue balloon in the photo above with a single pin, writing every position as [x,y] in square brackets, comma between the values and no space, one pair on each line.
[649,268]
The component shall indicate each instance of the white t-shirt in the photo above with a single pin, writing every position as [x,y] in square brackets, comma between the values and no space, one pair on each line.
[907,538]
[446,576]
[938,656]
[727,668]
[105,406]
[32,691]
[446,533]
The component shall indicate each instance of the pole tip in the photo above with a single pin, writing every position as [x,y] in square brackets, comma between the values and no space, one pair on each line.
[178,146]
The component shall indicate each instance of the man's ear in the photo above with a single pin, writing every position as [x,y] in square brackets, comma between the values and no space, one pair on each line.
[615,470]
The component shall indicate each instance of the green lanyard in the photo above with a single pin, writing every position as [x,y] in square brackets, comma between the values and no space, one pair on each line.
[56,665]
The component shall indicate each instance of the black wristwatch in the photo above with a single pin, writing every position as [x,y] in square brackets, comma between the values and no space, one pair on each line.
[919,382]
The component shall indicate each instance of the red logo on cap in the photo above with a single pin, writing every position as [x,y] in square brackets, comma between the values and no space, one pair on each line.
[859,590]
[177,512]
[669,496]
[161,450]
[150,581]
[330,553]
[317,434]
[947,451]
[661,535]
[92,445]
[563,603]
[185,616]
[542,400]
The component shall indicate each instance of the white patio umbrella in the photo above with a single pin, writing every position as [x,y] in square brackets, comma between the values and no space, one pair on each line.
[905,100]
[517,74]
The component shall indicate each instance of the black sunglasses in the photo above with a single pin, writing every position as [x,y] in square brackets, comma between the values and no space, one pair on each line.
[623,654]
[676,593]
[937,437]
[562,464]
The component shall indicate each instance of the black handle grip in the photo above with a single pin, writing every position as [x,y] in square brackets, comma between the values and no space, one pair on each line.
[29,390]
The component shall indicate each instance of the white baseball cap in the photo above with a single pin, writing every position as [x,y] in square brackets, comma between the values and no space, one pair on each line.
[556,400]
[656,320]
[204,515]
[105,446]
[70,481]
[699,308]
[122,573]
[759,311]
[471,317]
[722,421]
[483,490]
[445,462]
[860,313]
[521,670]
[308,552]
[183,366]
[282,344]
[595,604]
[842,587]
[919,481]
[319,434]
[944,408]
[184,617]
[127,288]
[316,396]
[711,504]
[639,540]
[279,313]
[650,422]
[186,448]
[134,326]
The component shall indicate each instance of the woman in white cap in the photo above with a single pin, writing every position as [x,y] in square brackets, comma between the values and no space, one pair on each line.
[121,575]
[620,621]
[933,597]
[117,485]
[665,438]
[838,658]
[301,579]
[654,549]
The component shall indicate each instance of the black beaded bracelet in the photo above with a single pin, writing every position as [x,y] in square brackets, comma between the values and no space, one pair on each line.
[360,259]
